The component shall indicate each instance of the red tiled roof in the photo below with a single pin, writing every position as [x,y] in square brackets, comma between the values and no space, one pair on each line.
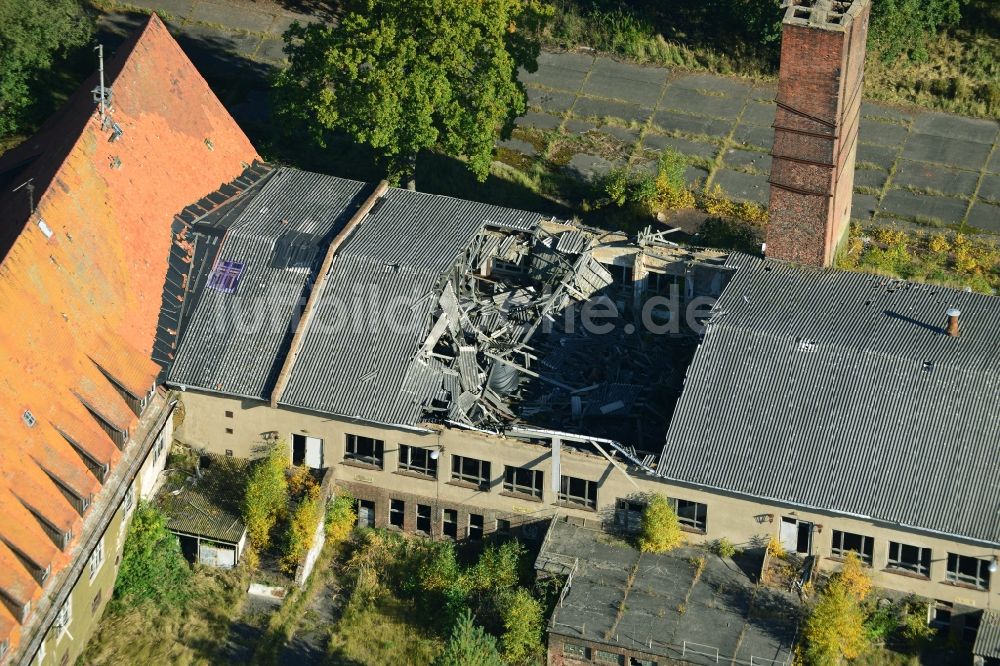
[79,308]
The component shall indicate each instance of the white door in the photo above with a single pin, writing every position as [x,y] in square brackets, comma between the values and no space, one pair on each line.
[789,534]
[314,452]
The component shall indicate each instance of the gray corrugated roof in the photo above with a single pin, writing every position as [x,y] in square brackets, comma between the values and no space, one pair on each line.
[235,343]
[840,391]
[373,315]
[988,637]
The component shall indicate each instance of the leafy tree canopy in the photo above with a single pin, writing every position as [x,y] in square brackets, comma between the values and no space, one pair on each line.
[265,498]
[903,27]
[835,629]
[32,34]
[152,565]
[406,75]
[660,530]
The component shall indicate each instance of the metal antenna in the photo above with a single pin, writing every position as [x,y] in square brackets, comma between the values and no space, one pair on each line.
[28,185]
[100,68]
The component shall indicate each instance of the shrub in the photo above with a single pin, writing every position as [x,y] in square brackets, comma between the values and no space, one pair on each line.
[340,516]
[835,629]
[854,577]
[497,568]
[301,529]
[523,617]
[266,495]
[775,549]
[660,530]
[723,548]
[939,243]
[153,567]
[369,563]
[300,480]
[913,627]
[715,202]
[881,622]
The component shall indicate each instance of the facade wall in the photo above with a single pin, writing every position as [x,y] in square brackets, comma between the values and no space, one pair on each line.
[90,594]
[743,521]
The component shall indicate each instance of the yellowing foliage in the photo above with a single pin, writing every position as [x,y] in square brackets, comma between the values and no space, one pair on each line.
[775,549]
[660,530]
[835,629]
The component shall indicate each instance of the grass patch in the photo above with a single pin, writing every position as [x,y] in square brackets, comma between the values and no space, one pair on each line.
[149,634]
[387,631]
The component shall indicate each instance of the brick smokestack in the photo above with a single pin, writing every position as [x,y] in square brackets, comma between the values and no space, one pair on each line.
[816,128]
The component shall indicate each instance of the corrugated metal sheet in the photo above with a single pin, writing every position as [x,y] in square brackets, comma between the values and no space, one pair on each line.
[357,357]
[235,343]
[987,643]
[839,391]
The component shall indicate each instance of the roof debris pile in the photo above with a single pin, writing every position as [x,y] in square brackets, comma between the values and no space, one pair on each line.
[533,328]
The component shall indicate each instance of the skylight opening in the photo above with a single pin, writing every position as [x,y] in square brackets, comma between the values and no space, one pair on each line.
[225,276]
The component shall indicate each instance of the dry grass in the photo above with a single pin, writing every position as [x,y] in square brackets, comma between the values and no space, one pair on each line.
[384,632]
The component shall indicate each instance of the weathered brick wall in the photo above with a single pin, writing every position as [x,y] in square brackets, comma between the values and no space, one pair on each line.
[815,138]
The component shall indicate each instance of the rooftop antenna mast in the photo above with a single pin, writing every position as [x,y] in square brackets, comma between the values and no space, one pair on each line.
[101,94]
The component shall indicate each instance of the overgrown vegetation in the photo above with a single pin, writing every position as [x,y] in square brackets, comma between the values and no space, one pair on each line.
[936,53]
[153,569]
[469,645]
[265,499]
[645,193]
[949,258]
[301,528]
[660,530]
[35,35]
[340,516]
[428,574]
[835,628]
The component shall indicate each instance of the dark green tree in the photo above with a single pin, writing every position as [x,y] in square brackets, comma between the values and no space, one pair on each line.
[33,33]
[408,75]
[903,27]
[469,645]
[152,565]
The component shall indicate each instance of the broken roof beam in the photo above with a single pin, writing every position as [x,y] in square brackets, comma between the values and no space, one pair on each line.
[314,295]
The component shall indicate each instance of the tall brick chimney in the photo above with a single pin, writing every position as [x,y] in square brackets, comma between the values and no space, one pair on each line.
[816,128]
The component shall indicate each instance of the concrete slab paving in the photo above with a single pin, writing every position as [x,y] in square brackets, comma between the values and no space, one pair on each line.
[272,49]
[863,207]
[671,121]
[283,22]
[747,159]
[708,82]
[590,167]
[581,62]
[881,134]
[538,120]
[218,52]
[695,177]
[627,90]
[577,126]
[954,152]
[177,8]
[551,101]
[761,138]
[994,164]
[558,78]
[956,127]
[590,107]
[652,141]
[870,178]
[989,188]
[519,146]
[873,110]
[903,203]
[232,17]
[878,155]
[644,73]
[623,134]
[764,93]
[759,114]
[698,103]
[742,186]
[985,216]
[935,177]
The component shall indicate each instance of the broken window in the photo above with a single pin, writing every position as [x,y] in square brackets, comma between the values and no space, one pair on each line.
[605,657]
[471,470]
[503,527]
[366,450]
[847,542]
[225,276]
[578,491]
[910,558]
[449,523]
[628,514]
[638,661]
[691,514]
[574,651]
[366,513]
[523,481]
[939,614]
[475,527]
[396,510]
[95,604]
[418,460]
[966,570]
[424,518]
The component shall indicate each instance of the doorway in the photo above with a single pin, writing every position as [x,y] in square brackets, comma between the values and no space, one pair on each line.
[796,535]
[307,451]
[366,513]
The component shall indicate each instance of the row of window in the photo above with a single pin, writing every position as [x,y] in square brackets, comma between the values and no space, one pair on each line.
[423,513]
[961,569]
[516,480]
[584,653]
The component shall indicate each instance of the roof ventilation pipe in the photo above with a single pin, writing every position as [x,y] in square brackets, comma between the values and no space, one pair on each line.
[952,328]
